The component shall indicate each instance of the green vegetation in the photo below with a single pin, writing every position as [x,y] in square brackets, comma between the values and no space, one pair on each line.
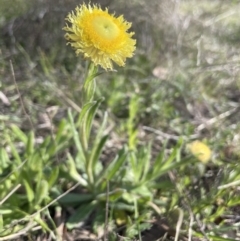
[120,166]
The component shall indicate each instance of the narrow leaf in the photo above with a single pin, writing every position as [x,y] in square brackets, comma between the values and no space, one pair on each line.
[111,170]
[19,134]
[75,199]
[111,196]
[53,176]
[90,115]
[30,143]
[29,190]
[41,192]
[76,136]
[96,152]
[80,215]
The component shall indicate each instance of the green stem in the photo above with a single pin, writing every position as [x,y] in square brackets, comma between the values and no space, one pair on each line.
[89,85]
[88,92]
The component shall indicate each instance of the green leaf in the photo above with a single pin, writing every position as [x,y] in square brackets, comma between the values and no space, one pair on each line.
[6,211]
[162,167]
[86,123]
[80,215]
[89,83]
[1,221]
[160,159]
[72,171]
[98,144]
[43,224]
[111,170]
[142,191]
[112,196]
[30,144]
[41,192]
[173,155]
[75,198]
[233,202]
[132,130]
[133,106]
[133,162]
[35,162]
[62,130]
[53,176]
[46,143]
[102,128]
[98,223]
[5,162]
[96,152]
[14,151]
[144,161]
[83,136]
[140,163]
[171,166]
[84,112]
[163,185]
[19,134]
[76,136]
[122,206]
[133,139]
[61,139]
[29,190]
[217,238]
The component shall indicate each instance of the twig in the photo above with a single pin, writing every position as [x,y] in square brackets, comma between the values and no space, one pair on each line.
[179,224]
[155,207]
[4,99]
[190,231]
[16,235]
[20,97]
[229,185]
[216,118]
[56,199]
[9,194]
[220,17]
[168,136]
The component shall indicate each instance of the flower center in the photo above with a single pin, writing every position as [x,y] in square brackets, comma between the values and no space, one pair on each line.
[105,27]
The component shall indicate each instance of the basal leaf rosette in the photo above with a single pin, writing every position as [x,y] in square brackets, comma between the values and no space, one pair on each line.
[100,36]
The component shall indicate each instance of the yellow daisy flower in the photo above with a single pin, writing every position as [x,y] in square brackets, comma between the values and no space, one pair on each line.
[200,150]
[100,36]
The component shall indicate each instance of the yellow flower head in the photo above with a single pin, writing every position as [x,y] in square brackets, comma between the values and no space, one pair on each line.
[100,36]
[200,150]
